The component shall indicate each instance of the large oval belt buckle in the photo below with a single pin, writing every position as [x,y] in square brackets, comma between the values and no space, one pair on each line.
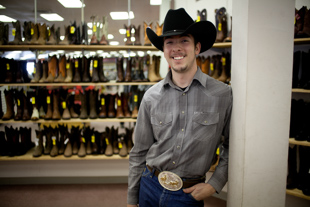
[170,181]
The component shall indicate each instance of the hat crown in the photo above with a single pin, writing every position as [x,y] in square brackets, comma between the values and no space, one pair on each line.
[177,20]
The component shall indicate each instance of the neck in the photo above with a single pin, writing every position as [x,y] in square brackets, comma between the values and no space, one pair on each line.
[183,79]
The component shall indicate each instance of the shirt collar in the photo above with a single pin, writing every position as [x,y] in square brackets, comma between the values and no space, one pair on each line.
[199,76]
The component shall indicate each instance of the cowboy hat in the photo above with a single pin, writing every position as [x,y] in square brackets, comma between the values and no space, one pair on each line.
[178,22]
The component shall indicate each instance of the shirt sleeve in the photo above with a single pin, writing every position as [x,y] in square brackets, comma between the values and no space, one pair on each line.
[220,175]
[143,139]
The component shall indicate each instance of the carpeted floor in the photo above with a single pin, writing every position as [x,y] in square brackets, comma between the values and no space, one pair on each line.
[81,195]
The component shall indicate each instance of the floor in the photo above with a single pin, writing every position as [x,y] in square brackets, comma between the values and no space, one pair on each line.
[103,195]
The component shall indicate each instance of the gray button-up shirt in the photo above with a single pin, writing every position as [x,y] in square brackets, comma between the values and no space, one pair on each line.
[179,131]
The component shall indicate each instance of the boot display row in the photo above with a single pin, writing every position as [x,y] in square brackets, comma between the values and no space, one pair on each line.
[222,34]
[216,66]
[65,104]
[15,141]
[299,169]
[301,72]
[299,122]
[13,71]
[61,140]
[42,34]
[302,23]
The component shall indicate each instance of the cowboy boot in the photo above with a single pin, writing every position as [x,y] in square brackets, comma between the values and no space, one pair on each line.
[125,104]
[26,33]
[19,102]
[102,77]
[152,74]
[120,69]
[299,20]
[4,33]
[115,140]
[108,141]
[119,108]
[82,149]
[122,145]
[84,37]
[93,97]
[64,96]
[62,70]
[102,141]
[147,42]
[38,151]
[135,105]
[305,32]
[159,29]
[26,111]
[129,139]
[128,35]
[62,136]
[73,114]
[217,67]
[94,142]
[225,68]
[56,113]
[51,34]
[135,68]
[3,144]
[95,73]
[137,35]
[69,71]
[34,33]
[65,41]
[205,64]
[103,40]
[49,111]
[42,35]
[44,72]
[84,98]
[296,63]
[73,34]
[55,142]
[19,65]
[52,69]
[202,15]
[291,181]
[35,111]
[68,148]
[9,72]
[103,108]
[37,72]
[77,74]
[9,105]
[16,32]
[128,69]
[222,24]
[85,69]
[111,107]
[229,36]
[48,140]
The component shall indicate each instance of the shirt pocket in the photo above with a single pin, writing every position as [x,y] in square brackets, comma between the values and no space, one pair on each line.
[205,125]
[162,124]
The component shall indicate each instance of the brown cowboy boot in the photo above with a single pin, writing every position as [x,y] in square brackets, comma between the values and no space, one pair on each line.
[305,32]
[152,73]
[19,101]
[37,72]
[84,98]
[120,69]
[44,72]
[66,41]
[128,35]
[221,18]
[49,111]
[85,69]
[42,35]
[224,75]
[128,69]
[95,73]
[56,113]
[205,65]
[69,71]
[111,107]
[137,35]
[125,104]
[16,32]
[147,42]
[26,112]
[159,29]
[9,105]
[103,108]
[62,70]
[93,97]
[119,108]
[77,74]
[52,69]
[217,67]
[135,104]
[39,149]
[34,33]
[102,77]
[51,34]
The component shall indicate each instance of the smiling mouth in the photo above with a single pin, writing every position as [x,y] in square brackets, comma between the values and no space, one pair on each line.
[178,58]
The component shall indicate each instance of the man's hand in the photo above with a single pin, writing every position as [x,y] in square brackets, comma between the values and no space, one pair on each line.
[128,205]
[200,191]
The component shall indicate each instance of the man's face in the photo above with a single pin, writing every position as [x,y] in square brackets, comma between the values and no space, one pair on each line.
[180,52]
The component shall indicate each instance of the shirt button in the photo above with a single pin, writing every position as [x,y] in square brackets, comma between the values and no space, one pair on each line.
[173,162]
[182,130]
[183,94]
[178,147]
[206,122]
[160,122]
[182,112]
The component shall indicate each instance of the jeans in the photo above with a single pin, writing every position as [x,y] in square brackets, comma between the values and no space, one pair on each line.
[152,194]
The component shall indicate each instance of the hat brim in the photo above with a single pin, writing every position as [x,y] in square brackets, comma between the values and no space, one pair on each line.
[203,32]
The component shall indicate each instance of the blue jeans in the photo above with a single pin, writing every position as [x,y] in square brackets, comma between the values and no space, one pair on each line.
[152,194]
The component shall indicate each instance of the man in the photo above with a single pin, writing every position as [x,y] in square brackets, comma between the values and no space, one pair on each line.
[180,123]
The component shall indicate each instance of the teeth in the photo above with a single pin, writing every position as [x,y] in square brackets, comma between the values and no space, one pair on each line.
[178,58]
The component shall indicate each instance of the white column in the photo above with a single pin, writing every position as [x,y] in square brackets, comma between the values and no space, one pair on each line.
[262,58]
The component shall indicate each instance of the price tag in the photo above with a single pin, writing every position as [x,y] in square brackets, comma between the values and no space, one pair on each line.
[223,61]
[18,102]
[128,33]
[67,65]
[120,146]
[49,32]
[72,29]
[219,27]
[8,66]
[33,100]
[102,101]
[13,32]
[31,31]
[67,140]
[94,28]
[135,98]
[211,66]
[198,18]
[93,138]
[34,70]
[48,99]
[95,63]
[54,140]
[64,105]
[218,151]
[76,63]
[83,139]
[107,141]
[119,103]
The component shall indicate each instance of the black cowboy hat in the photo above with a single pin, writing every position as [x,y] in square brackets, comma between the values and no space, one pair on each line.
[178,22]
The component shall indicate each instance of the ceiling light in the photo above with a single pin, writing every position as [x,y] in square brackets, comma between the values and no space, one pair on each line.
[122,31]
[52,17]
[89,32]
[121,15]
[155,2]
[4,18]
[110,36]
[2,7]
[114,43]
[71,3]
[90,24]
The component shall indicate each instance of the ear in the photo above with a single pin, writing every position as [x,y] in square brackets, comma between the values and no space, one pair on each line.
[197,48]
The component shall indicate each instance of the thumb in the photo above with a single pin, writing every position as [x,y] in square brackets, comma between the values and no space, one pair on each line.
[189,190]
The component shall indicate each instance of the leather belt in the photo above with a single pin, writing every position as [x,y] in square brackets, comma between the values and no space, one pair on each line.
[187,183]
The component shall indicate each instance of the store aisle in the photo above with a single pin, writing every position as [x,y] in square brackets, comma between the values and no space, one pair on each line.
[79,195]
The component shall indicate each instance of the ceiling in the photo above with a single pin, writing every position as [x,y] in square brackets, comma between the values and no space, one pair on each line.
[23,10]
